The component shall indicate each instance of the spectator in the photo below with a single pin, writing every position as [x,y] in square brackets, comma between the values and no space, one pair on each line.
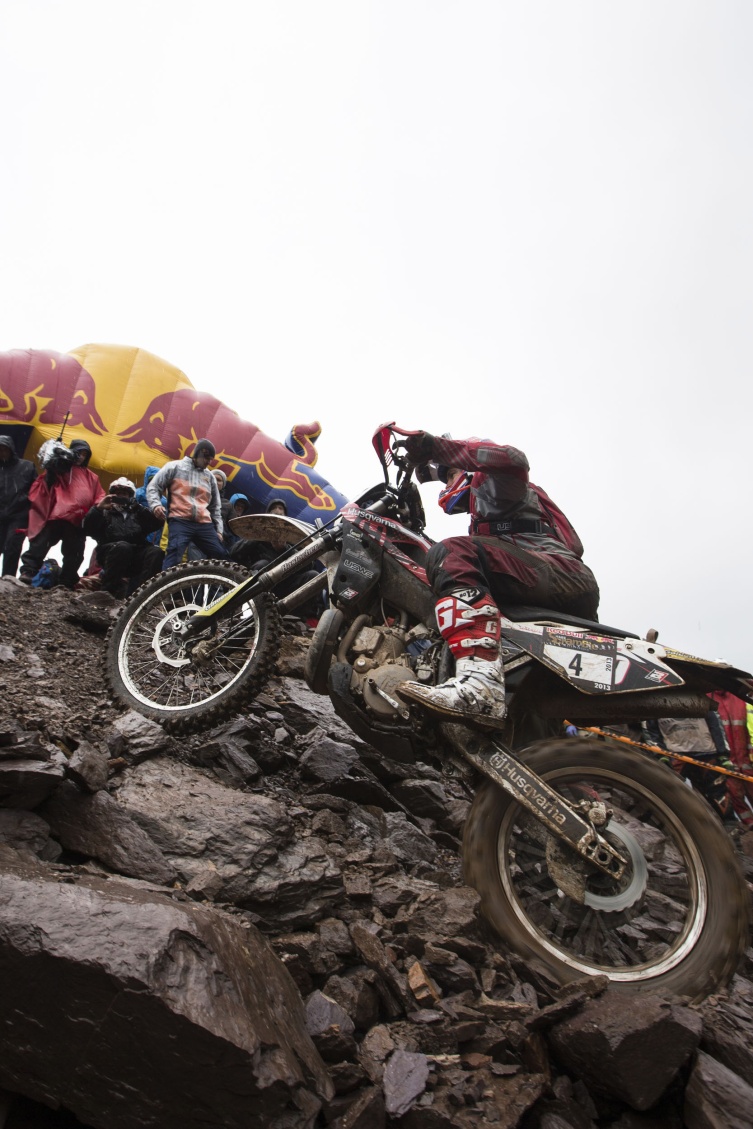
[221,479]
[149,473]
[236,507]
[703,739]
[16,477]
[121,528]
[734,717]
[193,505]
[59,500]
[255,555]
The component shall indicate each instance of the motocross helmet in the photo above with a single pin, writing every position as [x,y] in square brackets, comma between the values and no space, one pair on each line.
[120,485]
[456,497]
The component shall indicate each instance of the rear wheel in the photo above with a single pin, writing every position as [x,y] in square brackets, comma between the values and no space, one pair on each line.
[189,686]
[678,919]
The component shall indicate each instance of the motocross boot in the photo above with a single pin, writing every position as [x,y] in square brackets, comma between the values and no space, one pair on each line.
[470,624]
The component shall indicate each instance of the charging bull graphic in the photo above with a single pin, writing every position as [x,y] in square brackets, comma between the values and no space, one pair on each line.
[40,388]
[135,409]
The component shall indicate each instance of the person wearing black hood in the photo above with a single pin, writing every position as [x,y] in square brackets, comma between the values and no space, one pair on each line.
[16,477]
[59,500]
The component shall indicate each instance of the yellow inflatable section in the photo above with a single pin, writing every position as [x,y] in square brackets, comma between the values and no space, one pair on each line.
[136,410]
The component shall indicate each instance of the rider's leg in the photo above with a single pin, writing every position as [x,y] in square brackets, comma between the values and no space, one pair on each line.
[469,622]
[468,619]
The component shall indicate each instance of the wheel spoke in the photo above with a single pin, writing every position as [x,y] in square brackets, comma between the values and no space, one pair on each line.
[623,925]
[208,667]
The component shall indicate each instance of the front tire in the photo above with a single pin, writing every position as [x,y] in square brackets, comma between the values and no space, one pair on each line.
[189,687]
[678,921]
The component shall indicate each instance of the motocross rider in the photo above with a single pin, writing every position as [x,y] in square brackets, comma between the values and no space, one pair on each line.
[521,549]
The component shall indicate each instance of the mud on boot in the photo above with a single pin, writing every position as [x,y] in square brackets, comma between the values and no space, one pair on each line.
[476,692]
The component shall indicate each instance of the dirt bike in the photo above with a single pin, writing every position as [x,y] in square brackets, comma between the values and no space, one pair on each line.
[589,856]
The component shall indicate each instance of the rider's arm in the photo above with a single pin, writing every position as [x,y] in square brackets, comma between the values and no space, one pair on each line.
[475,454]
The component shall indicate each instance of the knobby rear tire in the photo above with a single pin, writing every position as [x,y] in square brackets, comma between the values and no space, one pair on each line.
[128,645]
[500,848]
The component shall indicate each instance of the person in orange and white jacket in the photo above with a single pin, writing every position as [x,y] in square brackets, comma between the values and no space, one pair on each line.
[193,511]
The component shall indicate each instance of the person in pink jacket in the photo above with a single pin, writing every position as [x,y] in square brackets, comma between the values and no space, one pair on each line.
[59,500]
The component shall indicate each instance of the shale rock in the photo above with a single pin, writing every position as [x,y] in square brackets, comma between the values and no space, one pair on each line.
[89,767]
[130,1009]
[630,1053]
[100,827]
[137,738]
[25,784]
[286,882]
[27,831]
[728,1029]
[716,1098]
[306,711]
[230,761]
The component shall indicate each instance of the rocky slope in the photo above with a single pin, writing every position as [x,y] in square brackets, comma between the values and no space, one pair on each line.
[267,926]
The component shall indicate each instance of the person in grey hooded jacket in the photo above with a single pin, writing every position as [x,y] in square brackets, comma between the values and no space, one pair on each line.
[16,476]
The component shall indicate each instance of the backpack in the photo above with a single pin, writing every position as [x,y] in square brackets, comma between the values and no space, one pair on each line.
[555,517]
[48,575]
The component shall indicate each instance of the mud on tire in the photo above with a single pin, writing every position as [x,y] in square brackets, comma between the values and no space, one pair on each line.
[678,921]
[149,669]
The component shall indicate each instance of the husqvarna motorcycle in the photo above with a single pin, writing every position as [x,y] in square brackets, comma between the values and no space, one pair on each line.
[589,856]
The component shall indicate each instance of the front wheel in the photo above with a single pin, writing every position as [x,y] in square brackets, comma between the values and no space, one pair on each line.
[676,922]
[188,686]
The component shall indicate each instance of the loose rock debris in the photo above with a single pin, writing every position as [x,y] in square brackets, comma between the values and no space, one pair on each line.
[267,925]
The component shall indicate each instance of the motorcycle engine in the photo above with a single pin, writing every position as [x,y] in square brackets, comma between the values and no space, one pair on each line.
[381,661]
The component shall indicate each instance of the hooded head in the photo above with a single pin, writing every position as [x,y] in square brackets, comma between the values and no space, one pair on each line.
[7,450]
[149,474]
[82,452]
[203,453]
[277,506]
[240,504]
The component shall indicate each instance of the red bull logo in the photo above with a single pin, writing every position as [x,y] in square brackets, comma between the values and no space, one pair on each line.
[296,482]
[101,387]
[256,465]
[42,388]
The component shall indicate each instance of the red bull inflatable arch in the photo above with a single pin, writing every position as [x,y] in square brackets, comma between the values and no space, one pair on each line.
[136,410]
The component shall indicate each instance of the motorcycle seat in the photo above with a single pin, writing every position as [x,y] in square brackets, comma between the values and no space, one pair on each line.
[521,614]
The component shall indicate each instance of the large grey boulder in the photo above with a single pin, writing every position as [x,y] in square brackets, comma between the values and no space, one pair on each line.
[129,1008]
[248,838]
[629,1052]
[98,826]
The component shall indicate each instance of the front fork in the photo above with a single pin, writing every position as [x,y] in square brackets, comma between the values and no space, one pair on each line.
[498,764]
[255,585]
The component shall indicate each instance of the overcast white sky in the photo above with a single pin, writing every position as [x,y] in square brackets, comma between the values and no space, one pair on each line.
[528,221]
